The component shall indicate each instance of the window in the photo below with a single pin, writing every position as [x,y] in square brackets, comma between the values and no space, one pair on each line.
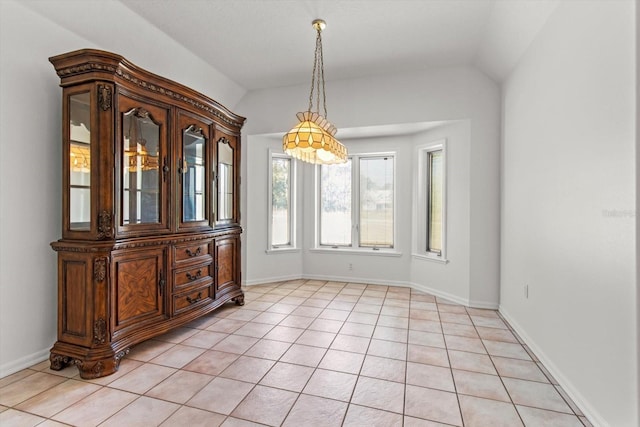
[281,202]
[431,162]
[356,202]
[376,202]
[335,205]
[434,201]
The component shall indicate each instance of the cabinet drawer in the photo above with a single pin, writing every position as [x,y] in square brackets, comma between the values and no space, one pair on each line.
[194,252]
[192,275]
[195,298]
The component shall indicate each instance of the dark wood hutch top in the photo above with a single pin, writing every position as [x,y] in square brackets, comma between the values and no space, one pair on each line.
[86,65]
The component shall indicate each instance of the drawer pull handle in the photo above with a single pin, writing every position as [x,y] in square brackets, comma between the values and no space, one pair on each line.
[194,300]
[192,253]
[193,277]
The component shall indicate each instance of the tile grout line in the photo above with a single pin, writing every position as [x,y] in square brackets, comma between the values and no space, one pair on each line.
[453,379]
[496,369]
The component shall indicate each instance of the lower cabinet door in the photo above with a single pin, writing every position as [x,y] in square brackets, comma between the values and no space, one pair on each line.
[139,286]
[226,264]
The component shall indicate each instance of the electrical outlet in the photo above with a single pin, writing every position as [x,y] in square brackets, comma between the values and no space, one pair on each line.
[526,291]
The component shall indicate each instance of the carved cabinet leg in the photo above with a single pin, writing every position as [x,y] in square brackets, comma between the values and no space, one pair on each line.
[93,369]
[99,368]
[239,300]
[59,362]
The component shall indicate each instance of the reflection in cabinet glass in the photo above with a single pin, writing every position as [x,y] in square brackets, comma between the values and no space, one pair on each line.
[140,172]
[225,180]
[80,162]
[193,174]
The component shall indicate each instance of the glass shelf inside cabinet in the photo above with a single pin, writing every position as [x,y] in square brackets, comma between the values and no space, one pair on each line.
[79,162]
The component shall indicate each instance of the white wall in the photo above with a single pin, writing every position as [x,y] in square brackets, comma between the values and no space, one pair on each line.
[451,280]
[30,148]
[637,194]
[432,95]
[568,205]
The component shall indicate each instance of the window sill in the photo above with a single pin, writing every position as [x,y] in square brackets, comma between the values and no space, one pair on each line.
[368,252]
[432,258]
[282,250]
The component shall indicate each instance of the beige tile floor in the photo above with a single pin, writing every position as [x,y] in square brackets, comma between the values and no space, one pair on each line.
[310,353]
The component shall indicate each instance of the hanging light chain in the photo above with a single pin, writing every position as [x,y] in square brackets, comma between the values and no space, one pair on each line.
[313,75]
[317,60]
[317,76]
[324,96]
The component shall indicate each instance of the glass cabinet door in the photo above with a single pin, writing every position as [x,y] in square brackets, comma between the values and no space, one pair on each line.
[79,108]
[193,159]
[226,181]
[193,174]
[141,172]
[144,167]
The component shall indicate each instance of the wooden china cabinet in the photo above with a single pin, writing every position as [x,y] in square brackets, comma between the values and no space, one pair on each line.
[150,232]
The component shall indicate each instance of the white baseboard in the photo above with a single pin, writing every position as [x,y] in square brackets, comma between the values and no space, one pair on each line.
[483,304]
[355,280]
[440,294]
[24,362]
[588,410]
[274,279]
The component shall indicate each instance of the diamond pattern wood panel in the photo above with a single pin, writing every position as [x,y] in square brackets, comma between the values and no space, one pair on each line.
[138,292]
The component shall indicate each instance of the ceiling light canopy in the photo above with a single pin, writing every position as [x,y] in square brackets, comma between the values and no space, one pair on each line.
[313,140]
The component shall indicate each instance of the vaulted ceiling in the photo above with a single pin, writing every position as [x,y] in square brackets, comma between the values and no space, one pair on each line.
[269,43]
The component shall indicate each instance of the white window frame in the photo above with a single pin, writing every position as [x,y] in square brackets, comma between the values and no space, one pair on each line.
[421,196]
[292,246]
[355,210]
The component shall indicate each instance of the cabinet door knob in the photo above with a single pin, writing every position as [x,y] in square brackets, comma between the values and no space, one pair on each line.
[161,283]
[165,169]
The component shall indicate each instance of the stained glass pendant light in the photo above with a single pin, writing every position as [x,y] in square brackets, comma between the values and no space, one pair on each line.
[313,139]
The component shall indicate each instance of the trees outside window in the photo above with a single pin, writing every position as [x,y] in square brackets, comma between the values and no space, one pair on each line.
[356,202]
[281,224]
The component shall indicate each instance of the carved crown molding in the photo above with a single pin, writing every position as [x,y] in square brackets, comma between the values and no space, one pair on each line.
[118,70]
[89,66]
